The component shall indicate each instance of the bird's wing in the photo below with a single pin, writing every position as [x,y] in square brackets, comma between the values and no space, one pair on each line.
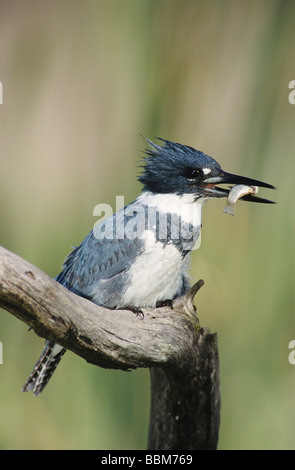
[97,269]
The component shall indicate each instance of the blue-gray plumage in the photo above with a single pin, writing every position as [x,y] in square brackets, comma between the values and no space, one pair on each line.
[139,256]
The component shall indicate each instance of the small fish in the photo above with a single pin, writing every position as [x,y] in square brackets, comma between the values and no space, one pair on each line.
[236,192]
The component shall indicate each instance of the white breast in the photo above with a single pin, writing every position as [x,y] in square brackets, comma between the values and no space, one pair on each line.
[157,273]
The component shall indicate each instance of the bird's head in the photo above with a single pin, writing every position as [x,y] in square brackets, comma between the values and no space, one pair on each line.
[179,169]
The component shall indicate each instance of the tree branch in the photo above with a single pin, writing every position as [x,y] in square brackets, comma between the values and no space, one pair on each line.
[170,338]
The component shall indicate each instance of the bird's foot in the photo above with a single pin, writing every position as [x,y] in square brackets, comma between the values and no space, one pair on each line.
[165,303]
[138,312]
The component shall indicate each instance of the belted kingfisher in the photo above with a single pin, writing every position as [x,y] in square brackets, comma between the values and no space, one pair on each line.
[139,256]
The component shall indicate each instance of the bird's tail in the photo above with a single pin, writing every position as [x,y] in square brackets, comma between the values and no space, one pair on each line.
[44,368]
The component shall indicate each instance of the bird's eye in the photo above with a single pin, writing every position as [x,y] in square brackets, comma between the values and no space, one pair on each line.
[192,173]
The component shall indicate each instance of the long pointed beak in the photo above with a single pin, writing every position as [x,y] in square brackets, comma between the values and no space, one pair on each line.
[229,178]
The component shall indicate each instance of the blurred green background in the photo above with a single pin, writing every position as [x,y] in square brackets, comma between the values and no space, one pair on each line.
[81,81]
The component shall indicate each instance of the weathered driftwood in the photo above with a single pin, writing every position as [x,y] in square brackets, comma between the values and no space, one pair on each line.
[183,357]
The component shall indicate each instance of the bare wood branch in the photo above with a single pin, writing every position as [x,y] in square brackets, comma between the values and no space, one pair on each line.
[185,403]
[108,338]
[183,356]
